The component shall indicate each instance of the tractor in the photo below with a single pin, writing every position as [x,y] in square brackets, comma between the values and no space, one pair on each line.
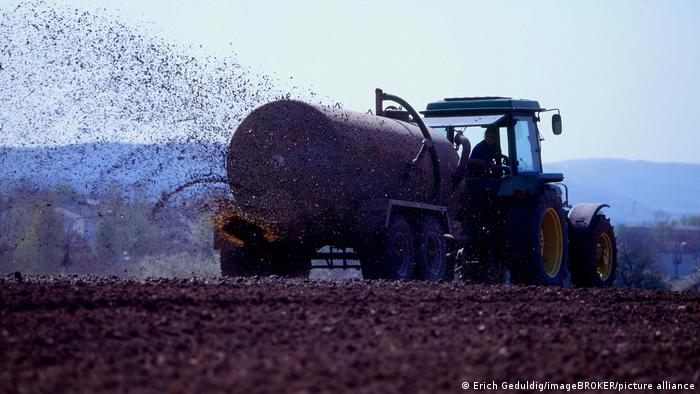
[408,195]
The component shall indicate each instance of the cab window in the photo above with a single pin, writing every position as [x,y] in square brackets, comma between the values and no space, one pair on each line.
[527,145]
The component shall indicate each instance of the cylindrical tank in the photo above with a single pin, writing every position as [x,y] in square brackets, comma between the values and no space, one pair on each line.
[303,171]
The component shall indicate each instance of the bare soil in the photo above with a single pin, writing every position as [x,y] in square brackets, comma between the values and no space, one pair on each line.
[275,335]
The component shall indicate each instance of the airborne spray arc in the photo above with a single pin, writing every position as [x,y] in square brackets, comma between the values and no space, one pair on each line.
[111,112]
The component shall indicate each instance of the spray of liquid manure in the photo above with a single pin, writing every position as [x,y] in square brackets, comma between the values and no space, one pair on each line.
[112,141]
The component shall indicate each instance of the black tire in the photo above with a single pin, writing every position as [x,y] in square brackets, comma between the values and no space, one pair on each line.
[489,270]
[525,222]
[234,262]
[244,261]
[593,254]
[482,259]
[431,250]
[393,256]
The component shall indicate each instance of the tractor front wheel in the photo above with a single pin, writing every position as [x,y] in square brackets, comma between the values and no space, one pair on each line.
[594,254]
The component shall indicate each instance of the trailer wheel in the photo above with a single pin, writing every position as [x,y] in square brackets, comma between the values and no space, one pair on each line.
[393,257]
[537,241]
[244,261]
[431,250]
[594,254]
[236,262]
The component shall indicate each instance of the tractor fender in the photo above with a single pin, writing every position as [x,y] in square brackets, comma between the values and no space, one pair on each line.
[581,216]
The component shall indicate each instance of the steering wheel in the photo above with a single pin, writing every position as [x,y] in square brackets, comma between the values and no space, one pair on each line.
[505,160]
[502,163]
[490,168]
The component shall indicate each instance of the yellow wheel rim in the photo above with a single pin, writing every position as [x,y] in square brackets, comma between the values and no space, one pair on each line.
[551,242]
[603,256]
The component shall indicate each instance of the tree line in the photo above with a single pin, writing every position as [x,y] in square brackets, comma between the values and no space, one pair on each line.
[54,231]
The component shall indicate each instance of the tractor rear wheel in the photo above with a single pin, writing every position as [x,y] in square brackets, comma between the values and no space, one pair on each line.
[594,254]
[393,256]
[537,241]
[242,261]
[431,250]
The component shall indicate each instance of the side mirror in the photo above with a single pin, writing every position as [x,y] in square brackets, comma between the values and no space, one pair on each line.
[556,124]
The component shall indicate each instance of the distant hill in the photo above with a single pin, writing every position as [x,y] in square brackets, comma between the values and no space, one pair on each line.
[634,189]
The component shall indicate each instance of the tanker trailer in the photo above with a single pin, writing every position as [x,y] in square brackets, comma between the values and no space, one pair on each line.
[305,176]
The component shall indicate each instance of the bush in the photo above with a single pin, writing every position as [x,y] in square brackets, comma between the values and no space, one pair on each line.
[637,261]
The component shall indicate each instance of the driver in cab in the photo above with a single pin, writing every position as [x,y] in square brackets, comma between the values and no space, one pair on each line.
[487,154]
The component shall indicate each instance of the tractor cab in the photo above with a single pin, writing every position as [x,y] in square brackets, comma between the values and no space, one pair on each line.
[500,168]
[516,147]
[497,138]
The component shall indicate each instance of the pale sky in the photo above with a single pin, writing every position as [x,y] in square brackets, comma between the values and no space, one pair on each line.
[623,73]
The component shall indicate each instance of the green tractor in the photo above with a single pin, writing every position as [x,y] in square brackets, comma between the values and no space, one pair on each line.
[516,218]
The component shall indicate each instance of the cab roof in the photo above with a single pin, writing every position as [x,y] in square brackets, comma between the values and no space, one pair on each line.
[479,105]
